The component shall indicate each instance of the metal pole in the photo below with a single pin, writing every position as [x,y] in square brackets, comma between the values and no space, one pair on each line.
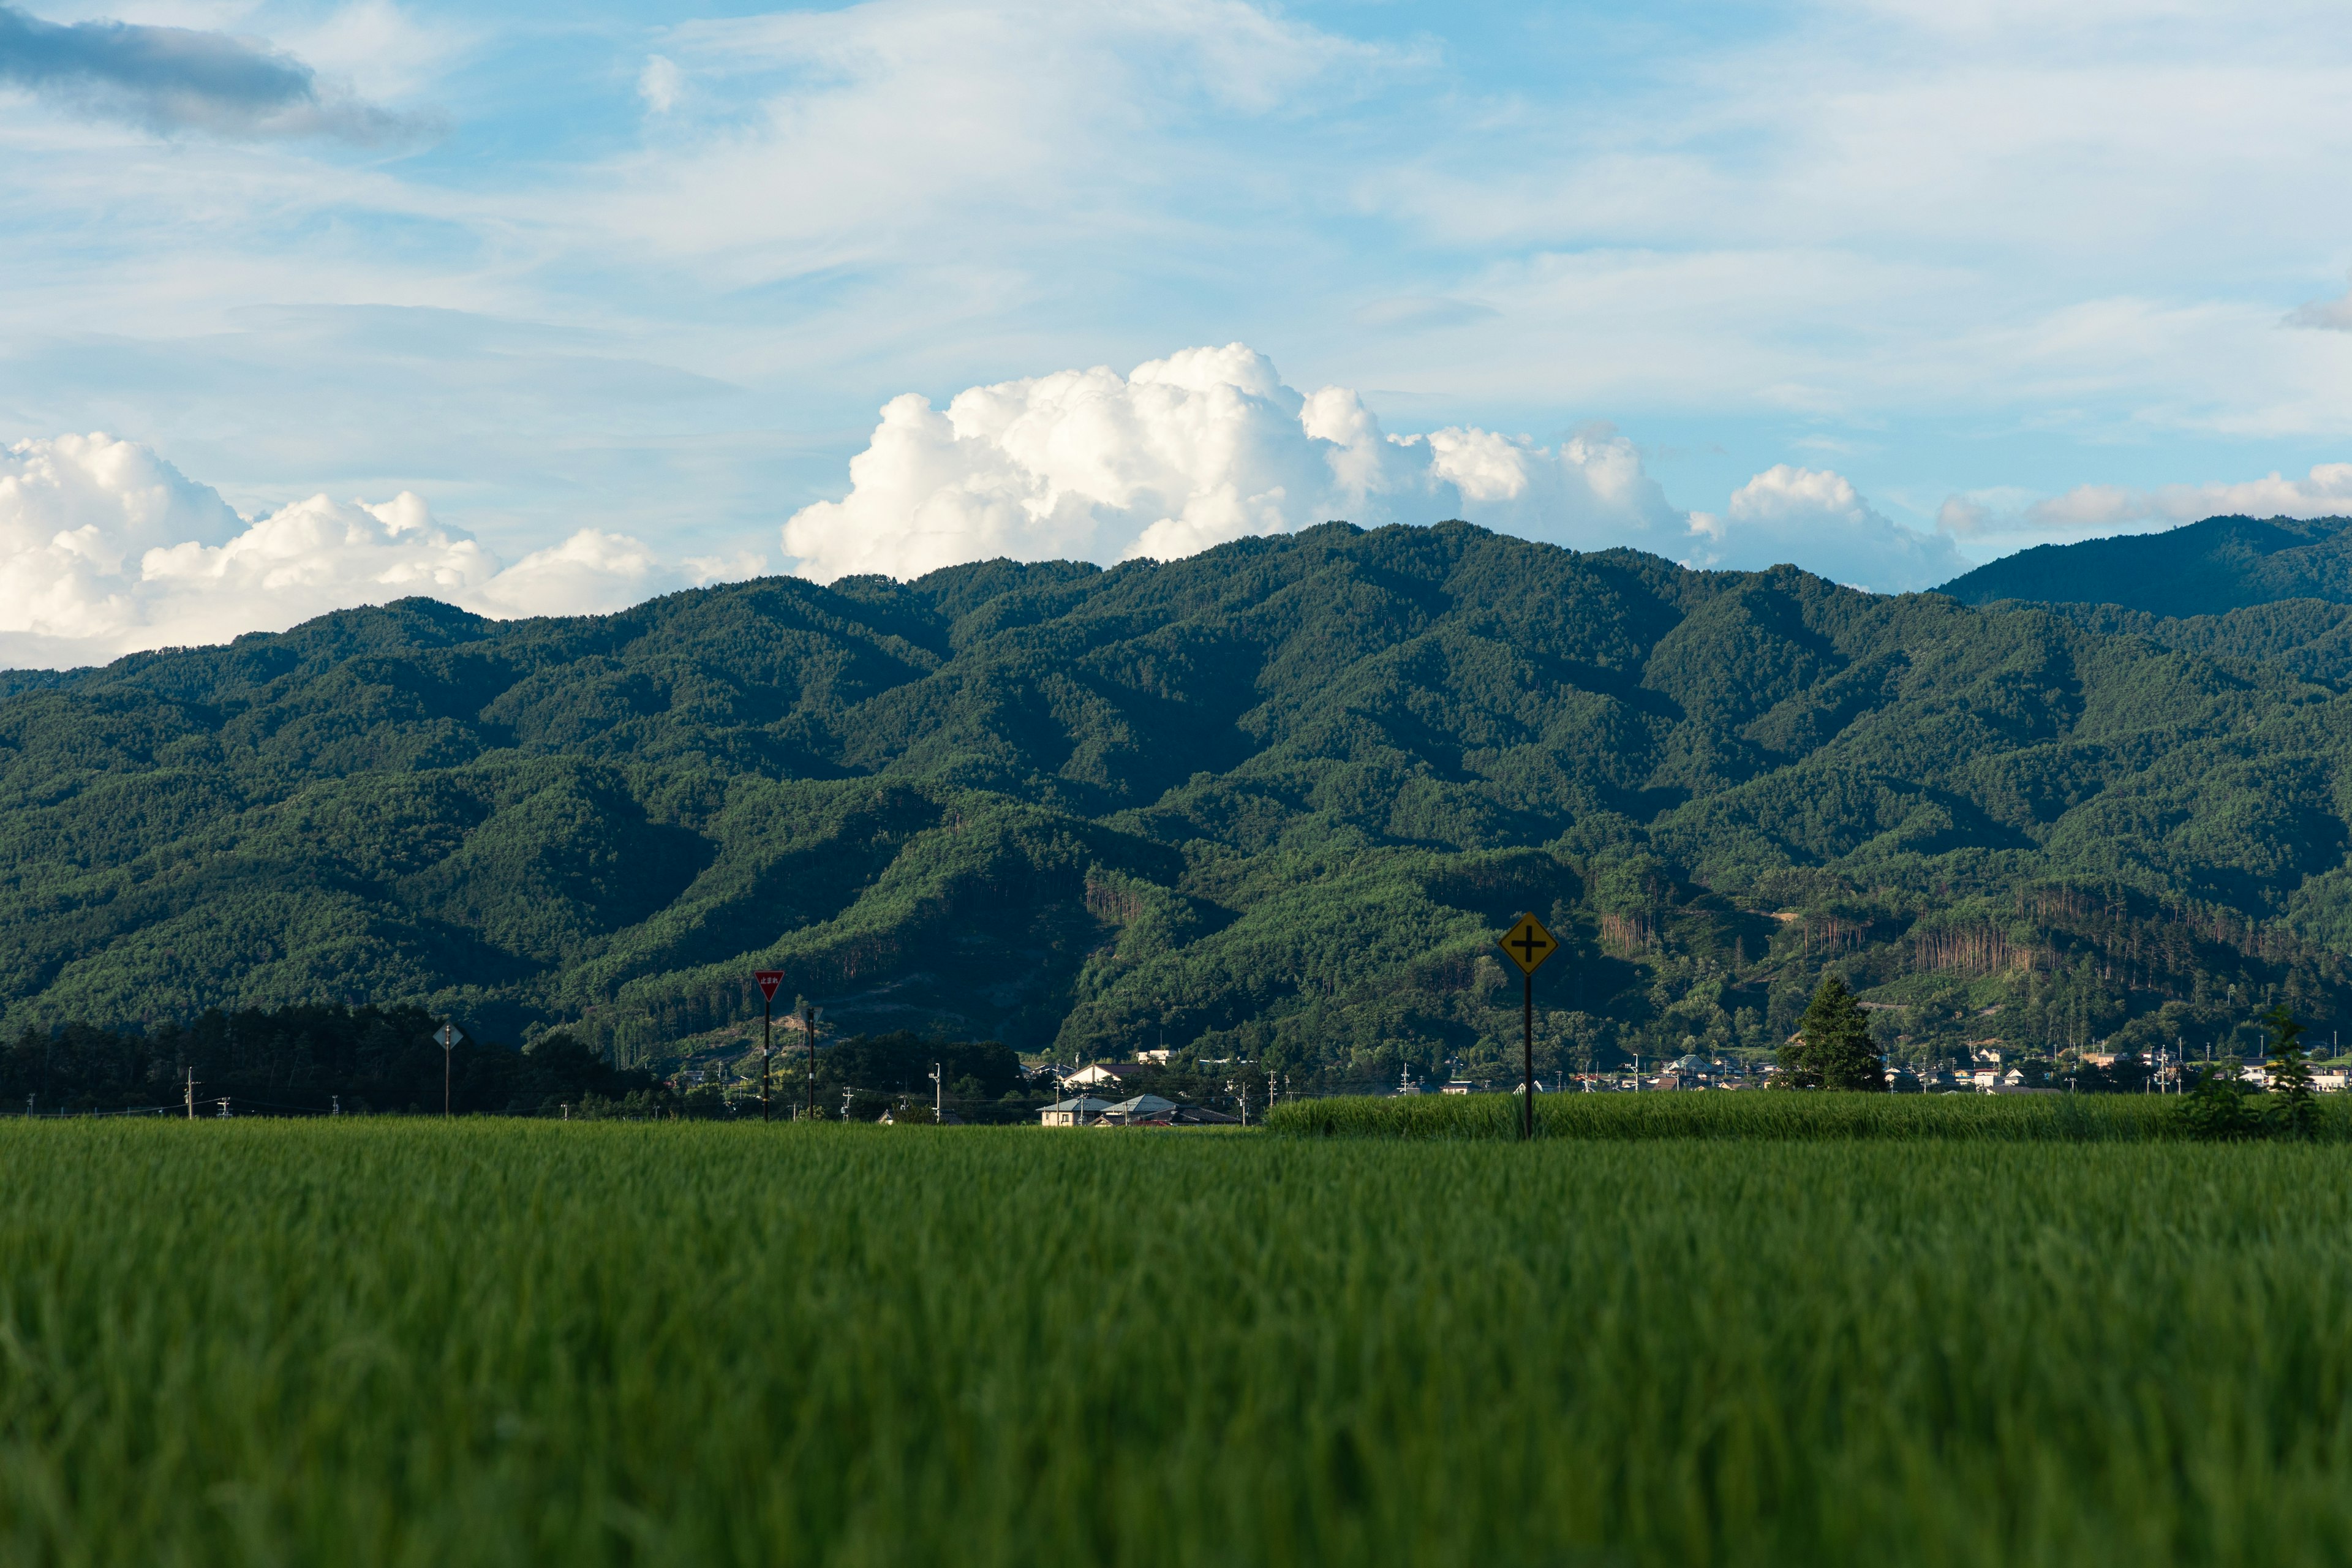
[1528,1049]
[446,1051]
[808,1030]
[767,1048]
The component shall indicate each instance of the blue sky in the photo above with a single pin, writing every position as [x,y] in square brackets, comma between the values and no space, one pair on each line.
[1966,270]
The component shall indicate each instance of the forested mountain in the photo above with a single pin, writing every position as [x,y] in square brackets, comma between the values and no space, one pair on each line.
[2205,568]
[1271,801]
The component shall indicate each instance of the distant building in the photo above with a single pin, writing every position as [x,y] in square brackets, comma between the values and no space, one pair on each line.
[1105,1073]
[1080,1112]
[1689,1072]
[1458,1086]
[1143,1110]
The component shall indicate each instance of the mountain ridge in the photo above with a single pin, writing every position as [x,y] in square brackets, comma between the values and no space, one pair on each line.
[1268,801]
[2203,568]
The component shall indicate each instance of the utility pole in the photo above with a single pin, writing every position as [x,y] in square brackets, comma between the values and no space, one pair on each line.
[846,1092]
[939,1097]
[808,1032]
[190,1092]
[1527,1056]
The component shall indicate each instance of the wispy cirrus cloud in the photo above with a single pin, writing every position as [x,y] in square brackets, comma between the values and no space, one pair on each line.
[173,80]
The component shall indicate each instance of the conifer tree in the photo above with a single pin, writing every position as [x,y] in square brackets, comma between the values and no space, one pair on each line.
[1835,1049]
[2293,1107]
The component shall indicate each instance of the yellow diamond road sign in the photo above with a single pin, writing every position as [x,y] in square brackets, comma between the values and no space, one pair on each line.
[1528,944]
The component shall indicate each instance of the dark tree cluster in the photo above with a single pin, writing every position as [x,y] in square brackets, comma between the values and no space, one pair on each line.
[301,1060]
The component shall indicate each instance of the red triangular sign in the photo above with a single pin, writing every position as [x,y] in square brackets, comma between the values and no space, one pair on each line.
[769,980]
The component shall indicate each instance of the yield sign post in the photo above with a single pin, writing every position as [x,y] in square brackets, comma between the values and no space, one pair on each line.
[1528,945]
[768,979]
[449,1036]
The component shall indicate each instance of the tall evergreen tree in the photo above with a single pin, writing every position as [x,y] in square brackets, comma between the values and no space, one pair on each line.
[1834,1048]
[2297,1112]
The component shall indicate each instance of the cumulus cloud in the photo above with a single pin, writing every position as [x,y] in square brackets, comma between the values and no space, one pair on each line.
[1814,517]
[106,549]
[1208,445]
[1189,452]
[172,80]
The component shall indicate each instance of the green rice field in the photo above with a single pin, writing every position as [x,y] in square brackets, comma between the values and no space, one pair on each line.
[1767,1114]
[489,1343]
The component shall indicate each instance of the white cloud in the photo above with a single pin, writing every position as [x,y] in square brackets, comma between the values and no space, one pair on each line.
[1813,517]
[1208,445]
[949,134]
[2332,315]
[659,83]
[2091,510]
[1186,452]
[106,549]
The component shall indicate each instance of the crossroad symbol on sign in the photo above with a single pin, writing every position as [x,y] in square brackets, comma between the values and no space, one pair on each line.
[769,980]
[1528,944]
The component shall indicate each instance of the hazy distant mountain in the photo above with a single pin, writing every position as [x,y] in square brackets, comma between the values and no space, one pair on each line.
[2203,569]
[1271,801]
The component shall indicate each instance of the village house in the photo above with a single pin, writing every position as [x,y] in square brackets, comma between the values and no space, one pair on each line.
[1689,1072]
[1080,1112]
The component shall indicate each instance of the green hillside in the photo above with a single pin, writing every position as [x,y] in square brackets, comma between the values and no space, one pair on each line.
[2205,568]
[1270,802]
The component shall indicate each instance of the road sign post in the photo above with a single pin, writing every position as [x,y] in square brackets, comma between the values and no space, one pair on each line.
[1528,944]
[448,1036]
[769,980]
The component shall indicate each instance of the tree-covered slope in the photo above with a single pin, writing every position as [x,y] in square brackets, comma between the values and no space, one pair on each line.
[1271,801]
[2201,569]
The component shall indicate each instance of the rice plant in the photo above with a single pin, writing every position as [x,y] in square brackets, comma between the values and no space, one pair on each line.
[498,1342]
[2052,1118]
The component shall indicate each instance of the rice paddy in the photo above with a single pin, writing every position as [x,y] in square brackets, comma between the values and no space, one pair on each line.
[1765,1114]
[498,1342]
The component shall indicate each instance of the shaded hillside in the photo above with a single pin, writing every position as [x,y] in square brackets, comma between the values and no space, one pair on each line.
[1270,800]
[2201,569]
